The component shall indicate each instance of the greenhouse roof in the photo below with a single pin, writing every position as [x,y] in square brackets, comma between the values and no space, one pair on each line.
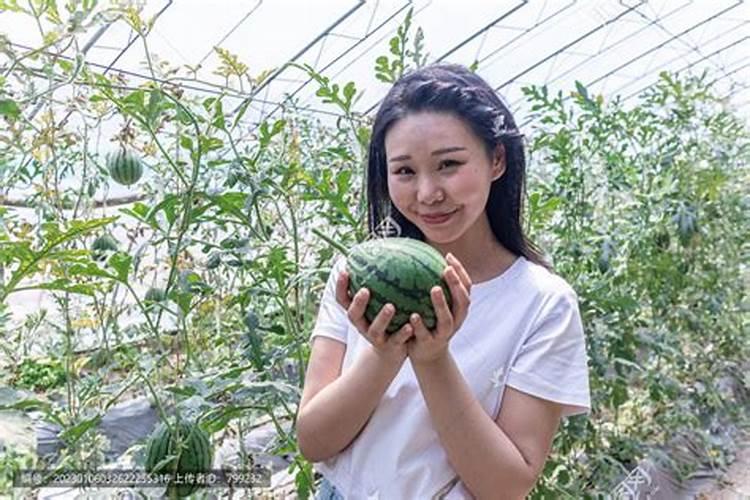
[612,47]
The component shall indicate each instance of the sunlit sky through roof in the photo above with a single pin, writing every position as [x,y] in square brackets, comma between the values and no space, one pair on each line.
[615,47]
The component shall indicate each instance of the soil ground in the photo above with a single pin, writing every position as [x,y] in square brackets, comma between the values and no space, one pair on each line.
[736,484]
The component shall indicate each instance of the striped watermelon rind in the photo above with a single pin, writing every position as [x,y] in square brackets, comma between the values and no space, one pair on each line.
[155,295]
[124,167]
[183,448]
[401,271]
[103,244]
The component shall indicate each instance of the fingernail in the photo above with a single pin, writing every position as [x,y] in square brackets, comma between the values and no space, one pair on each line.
[450,256]
[415,318]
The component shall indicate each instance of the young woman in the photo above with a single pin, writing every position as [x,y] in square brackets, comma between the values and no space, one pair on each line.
[469,409]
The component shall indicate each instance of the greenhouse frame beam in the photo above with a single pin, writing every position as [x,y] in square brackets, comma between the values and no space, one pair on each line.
[693,63]
[536,24]
[344,53]
[307,47]
[518,6]
[570,44]
[615,44]
[466,41]
[654,48]
[666,42]
[223,92]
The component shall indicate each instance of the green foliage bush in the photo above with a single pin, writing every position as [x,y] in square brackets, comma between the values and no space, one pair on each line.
[644,210]
[642,207]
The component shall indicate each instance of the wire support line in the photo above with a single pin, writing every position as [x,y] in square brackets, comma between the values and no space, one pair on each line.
[132,41]
[604,50]
[691,64]
[525,31]
[349,50]
[656,47]
[302,51]
[694,47]
[219,90]
[567,46]
[666,42]
[482,30]
[232,30]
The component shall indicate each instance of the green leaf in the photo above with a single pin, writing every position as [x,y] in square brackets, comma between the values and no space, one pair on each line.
[73,434]
[168,205]
[241,112]
[53,235]
[350,90]
[140,212]
[581,89]
[210,144]
[89,269]
[11,6]
[231,203]
[121,263]
[186,142]
[9,109]
[134,103]
[65,285]
[154,108]
[218,117]
[29,405]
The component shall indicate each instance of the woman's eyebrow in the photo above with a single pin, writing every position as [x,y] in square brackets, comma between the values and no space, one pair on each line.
[447,150]
[400,158]
[434,153]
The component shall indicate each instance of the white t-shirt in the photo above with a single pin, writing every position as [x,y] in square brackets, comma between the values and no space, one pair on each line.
[523,330]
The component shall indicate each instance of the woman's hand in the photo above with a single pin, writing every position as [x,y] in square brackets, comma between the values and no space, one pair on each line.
[391,347]
[427,346]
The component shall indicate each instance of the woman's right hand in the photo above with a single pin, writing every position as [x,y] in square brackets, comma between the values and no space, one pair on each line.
[391,347]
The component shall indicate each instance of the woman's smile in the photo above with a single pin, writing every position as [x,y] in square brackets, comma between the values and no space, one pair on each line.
[438,218]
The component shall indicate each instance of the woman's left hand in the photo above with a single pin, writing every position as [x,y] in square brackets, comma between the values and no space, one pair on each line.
[427,346]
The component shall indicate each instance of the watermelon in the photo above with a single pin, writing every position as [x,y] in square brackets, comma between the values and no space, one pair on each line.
[214,260]
[183,448]
[102,245]
[155,295]
[124,167]
[401,271]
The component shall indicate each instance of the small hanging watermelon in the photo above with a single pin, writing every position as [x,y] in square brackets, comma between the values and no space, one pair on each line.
[154,295]
[103,245]
[124,167]
[182,448]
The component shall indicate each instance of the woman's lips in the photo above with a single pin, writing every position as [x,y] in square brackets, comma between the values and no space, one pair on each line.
[439,219]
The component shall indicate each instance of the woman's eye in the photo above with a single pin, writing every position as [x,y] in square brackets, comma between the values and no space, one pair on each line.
[450,163]
[403,170]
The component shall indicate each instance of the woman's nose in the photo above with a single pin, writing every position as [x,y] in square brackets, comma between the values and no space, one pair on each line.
[430,192]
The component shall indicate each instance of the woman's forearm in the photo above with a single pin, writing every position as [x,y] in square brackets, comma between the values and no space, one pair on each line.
[488,462]
[332,418]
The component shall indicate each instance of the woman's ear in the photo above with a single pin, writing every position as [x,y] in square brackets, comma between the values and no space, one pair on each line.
[498,162]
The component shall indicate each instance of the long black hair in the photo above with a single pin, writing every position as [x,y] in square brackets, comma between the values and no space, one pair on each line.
[455,89]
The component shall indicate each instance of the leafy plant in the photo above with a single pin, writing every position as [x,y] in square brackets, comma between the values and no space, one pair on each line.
[389,69]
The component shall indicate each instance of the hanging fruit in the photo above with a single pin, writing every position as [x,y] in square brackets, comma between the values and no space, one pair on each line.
[184,448]
[124,167]
[103,245]
[154,295]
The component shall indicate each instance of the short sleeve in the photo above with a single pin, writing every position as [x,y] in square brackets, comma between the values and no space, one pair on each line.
[332,320]
[552,363]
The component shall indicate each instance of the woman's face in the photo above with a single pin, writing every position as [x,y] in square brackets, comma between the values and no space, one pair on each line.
[436,166]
